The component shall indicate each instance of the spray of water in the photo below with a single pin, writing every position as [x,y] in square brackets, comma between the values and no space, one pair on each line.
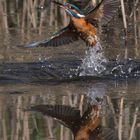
[94,62]
[96,94]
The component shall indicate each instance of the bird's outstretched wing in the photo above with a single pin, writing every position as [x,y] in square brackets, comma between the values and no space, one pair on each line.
[103,12]
[62,37]
[66,115]
[109,134]
[103,133]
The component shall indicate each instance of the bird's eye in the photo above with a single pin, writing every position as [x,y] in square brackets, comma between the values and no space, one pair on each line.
[69,7]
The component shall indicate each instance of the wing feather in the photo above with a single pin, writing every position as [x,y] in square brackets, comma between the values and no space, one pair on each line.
[103,12]
[104,134]
[62,37]
[66,115]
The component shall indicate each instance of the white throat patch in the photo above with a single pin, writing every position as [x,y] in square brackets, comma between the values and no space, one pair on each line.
[80,15]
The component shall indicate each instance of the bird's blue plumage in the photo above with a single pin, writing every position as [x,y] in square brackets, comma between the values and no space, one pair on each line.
[74,7]
[32,45]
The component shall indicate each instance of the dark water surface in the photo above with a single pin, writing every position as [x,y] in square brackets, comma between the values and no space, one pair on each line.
[51,76]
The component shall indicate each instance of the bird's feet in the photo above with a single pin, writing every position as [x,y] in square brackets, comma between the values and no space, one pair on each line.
[92,41]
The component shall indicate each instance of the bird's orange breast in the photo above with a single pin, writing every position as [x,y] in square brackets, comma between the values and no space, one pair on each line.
[84,132]
[83,26]
[90,126]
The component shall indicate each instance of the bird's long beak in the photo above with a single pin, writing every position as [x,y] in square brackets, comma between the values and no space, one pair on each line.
[59,4]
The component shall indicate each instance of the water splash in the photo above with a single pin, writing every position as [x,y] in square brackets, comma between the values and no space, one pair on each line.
[96,94]
[94,62]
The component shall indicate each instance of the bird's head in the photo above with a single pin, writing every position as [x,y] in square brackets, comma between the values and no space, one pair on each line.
[71,9]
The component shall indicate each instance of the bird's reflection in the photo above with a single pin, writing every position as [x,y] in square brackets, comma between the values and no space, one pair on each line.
[84,127]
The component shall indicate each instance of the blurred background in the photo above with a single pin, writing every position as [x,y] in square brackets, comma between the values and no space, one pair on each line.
[22,22]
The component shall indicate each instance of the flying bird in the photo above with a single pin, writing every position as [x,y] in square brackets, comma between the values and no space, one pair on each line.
[83,24]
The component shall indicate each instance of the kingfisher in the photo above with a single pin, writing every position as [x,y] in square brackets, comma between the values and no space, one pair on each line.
[83,24]
[84,127]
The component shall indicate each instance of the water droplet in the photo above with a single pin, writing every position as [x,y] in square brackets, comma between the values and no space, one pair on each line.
[94,62]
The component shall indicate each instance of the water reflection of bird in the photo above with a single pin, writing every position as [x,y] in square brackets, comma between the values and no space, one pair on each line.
[85,127]
[83,24]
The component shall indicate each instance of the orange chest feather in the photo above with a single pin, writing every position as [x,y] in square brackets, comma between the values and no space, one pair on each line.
[84,132]
[84,27]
